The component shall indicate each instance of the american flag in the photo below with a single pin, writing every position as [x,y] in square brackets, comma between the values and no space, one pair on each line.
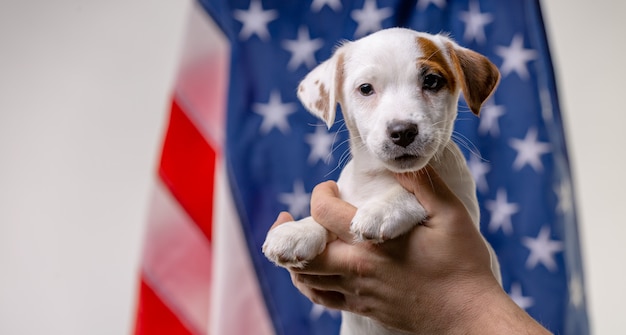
[239,149]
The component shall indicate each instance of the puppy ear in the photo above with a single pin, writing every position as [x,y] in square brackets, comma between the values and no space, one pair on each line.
[479,76]
[320,90]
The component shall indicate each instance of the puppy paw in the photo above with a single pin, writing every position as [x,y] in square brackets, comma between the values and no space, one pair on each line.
[379,222]
[294,244]
[367,224]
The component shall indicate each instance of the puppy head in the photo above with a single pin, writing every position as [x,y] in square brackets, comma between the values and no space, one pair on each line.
[398,90]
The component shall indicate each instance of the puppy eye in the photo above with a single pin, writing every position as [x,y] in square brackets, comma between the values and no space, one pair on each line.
[433,82]
[366,90]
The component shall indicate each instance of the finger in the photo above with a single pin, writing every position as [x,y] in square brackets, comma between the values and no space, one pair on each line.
[322,282]
[429,189]
[336,259]
[330,299]
[444,208]
[330,211]
[282,218]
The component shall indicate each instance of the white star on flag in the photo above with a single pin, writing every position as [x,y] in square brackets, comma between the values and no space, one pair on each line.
[501,212]
[303,49]
[479,170]
[517,296]
[542,249]
[546,105]
[576,291]
[370,18]
[321,143]
[529,151]
[317,5]
[274,113]
[489,117]
[515,57]
[255,20]
[298,201]
[564,194]
[423,4]
[475,23]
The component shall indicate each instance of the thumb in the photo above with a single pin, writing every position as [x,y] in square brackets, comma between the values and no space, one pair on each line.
[330,211]
[282,218]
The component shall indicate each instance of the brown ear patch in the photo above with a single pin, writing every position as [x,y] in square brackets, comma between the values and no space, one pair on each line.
[323,102]
[434,58]
[339,78]
[480,76]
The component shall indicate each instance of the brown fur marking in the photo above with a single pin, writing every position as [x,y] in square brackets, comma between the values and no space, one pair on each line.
[479,76]
[339,78]
[436,60]
[323,102]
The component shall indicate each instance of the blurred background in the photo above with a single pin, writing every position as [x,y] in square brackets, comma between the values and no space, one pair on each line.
[84,94]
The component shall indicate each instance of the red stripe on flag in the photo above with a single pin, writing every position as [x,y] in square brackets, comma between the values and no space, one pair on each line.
[187,168]
[154,317]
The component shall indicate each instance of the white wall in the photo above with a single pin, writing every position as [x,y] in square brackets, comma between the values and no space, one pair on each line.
[84,87]
[589,50]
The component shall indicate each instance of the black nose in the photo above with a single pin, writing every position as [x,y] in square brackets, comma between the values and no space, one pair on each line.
[402,133]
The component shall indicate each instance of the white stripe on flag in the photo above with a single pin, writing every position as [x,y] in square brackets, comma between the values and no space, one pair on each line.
[202,82]
[238,307]
[177,260]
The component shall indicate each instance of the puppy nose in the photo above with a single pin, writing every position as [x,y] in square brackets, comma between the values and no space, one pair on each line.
[402,133]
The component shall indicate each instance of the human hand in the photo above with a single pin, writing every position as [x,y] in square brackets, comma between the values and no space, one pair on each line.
[436,279]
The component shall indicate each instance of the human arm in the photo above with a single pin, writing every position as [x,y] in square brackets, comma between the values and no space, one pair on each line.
[436,279]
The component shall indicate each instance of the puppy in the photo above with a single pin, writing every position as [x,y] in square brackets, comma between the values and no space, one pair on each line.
[398,90]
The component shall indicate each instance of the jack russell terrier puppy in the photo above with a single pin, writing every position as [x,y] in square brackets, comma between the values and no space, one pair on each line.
[398,90]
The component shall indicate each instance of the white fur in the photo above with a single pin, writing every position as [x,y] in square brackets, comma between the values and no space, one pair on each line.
[388,61]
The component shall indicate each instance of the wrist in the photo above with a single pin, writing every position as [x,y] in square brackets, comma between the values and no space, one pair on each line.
[489,310]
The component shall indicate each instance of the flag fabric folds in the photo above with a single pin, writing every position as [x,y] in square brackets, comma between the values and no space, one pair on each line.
[240,148]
